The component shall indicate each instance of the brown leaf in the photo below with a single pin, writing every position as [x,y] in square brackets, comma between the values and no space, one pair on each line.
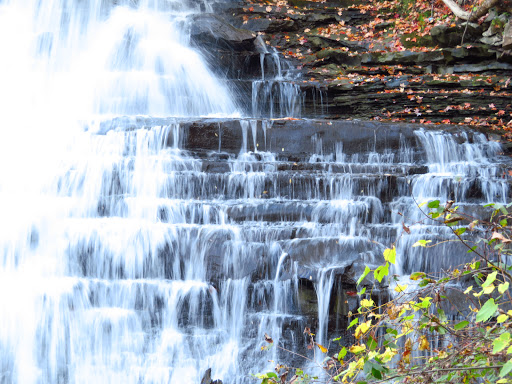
[453,219]
[268,339]
[500,237]
[406,228]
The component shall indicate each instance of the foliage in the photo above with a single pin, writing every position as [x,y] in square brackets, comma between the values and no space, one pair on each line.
[411,339]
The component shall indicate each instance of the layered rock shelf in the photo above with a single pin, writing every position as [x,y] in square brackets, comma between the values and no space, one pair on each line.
[356,63]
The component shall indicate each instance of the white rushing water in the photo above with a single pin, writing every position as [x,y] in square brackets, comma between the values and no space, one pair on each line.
[86,298]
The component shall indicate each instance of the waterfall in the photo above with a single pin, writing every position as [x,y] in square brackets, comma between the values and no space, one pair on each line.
[149,233]
[276,94]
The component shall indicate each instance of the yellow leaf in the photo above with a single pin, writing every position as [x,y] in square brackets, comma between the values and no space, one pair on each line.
[408,345]
[489,289]
[390,255]
[468,289]
[502,318]
[365,303]
[388,354]
[322,348]
[355,349]
[424,344]
[362,329]
[400,288]
[503,287]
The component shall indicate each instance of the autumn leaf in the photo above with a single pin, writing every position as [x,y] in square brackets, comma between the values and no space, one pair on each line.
[355,349]
[424,344]
[500,237]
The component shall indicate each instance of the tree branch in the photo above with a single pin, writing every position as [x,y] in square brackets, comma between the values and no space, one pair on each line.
[470,16]
[457,11]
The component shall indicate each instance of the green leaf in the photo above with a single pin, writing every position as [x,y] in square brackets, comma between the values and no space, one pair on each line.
[342,353]
[442,315]
[380,272]
[390,255]
[372,343]
[503,287]
[266,376]
[433,204]
[490,279]
[365,273]
[487,310]
[503,222]
[353,322]
[461,325]
[501,342]
[376,373]
[362,291]
[501,208]
[460,231]
[472,249]
[425,282]
[506,368]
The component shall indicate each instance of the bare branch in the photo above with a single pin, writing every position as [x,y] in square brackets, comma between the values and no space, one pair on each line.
[470,16]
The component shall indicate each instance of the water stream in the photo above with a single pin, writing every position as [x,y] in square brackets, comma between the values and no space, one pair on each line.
[127,256]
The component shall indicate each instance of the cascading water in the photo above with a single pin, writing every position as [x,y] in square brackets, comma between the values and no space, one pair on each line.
[128,254]
[276,94]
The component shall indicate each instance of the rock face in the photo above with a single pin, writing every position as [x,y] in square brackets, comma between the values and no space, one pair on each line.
[207,378]
[348,78]
[213,29]
[507,36]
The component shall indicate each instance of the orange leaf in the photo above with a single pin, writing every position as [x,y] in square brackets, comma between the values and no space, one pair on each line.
[322,348]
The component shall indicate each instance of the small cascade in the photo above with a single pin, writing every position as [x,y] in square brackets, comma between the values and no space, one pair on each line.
[276,94]
[323,289]
[460,168]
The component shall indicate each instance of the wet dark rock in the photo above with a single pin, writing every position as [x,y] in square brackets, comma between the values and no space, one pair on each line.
[495,40]
[448,36]
[209,28]
[339,57]
[268,25]
[207,378]
[507,36]
[482,67]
